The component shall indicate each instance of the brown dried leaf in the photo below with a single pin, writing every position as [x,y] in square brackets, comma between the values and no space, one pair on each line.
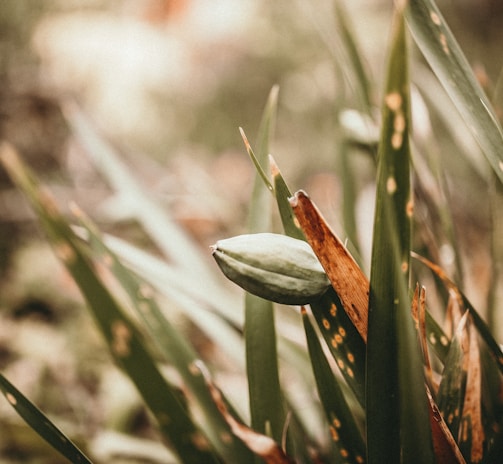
[472,412]
[454,311]
[419,316]
[260,444]
[348,280]
[446,448]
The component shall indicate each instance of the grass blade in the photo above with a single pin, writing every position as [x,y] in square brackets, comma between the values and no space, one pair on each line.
[282,194]
[173,346]
[41,424]
[266,400]
[125,342]
[173,241]
[347,438]
[444,55]
[480,324]
[398,424]
[359,72]
[343,340]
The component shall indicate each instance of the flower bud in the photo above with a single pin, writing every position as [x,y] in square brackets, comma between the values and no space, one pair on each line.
[272,266]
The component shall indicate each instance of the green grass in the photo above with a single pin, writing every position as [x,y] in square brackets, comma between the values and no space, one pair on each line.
[367,372]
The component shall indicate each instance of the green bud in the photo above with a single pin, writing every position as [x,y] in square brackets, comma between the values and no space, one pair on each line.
[272,266]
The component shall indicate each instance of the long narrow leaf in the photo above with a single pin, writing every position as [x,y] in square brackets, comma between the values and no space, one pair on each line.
[125,342]
[339,331]
[169,237]
[266,401]
[173,346]
[347,438]
[444,55]
[480,324]
[41,424]
[398,423]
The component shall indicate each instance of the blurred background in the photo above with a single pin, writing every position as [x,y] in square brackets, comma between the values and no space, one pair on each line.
[167,83]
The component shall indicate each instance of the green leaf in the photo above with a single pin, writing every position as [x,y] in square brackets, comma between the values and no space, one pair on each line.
[39,422]
[125,342]
[211,312]
[173,346]
[266,400]
[445,57]
[359,77]
[282,194]
[343,339]
[483,329]
[347,438]
[398,427]
[165,232]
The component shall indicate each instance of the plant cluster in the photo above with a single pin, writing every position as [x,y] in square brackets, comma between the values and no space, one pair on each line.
[394,381]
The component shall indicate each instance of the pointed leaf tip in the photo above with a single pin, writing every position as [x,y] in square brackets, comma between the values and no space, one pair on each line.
[245,139]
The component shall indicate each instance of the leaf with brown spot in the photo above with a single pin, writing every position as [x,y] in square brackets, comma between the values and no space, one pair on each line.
[131,353]
[452,385]
[446,448]
[328,310]
[471,419]
[260,444]
[481,326]
[348,280]
[419,316]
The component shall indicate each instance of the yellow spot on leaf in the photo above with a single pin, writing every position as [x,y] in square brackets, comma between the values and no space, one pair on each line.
[443,340]
[350,372]
[337,423]
[435,18]
[121,336]
[433,339]
[405,266]
[409,208]
[342,331]
[443,42]
[396,140]
[338,338]
[399,122]
[334,434]
[393,101]
[340,363]
[344,453]
[65,253]
[11,399]
[351,358]
[333,310]
[391,185]
[326,324]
